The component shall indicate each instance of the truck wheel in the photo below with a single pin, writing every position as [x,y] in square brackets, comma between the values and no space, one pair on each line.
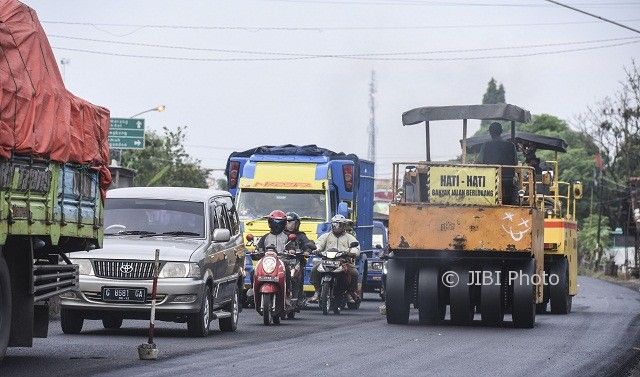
[325,298]
[559,293]
[397,293]
[198,324]
[229,324]
[524,304]
[460,299]
[5,306]
[71,321]
[112,322]
[431,305]
[491,301]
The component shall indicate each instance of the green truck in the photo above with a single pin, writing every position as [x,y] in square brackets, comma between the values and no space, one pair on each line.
[54,154]
[47,209]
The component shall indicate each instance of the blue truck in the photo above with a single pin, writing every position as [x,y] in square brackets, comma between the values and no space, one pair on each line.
[314,182]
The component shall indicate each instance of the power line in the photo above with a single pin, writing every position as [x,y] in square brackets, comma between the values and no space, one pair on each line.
[347,57]
[332,55]
[316,28]
[594,15]
[446,3]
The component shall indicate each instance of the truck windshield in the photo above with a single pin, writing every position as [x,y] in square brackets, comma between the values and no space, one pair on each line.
[308,205]
[154,216]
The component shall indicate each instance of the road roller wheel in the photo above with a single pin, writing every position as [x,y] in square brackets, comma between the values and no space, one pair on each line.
[524,305]
[397,293]
[432,307]
[491,301]
[559,293]
[460,299]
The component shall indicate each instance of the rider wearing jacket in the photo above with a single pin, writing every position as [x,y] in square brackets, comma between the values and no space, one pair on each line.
[339,239]
[277,222]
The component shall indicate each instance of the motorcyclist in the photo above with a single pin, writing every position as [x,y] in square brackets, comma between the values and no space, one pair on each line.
[277,222]
[302,243]
[339,239]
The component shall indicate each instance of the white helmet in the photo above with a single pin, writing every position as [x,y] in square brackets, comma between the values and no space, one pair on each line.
[339,219]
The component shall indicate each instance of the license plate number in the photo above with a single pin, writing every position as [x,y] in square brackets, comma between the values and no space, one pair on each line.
[138,295]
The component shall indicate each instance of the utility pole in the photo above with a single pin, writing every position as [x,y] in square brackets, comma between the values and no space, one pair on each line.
[371,154]
[64,62]
[634,187]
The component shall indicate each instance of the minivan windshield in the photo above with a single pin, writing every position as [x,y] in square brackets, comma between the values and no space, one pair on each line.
[310,205]
[154,217]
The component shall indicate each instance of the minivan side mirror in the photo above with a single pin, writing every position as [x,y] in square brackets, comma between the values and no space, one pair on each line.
[343,209]
[221,235]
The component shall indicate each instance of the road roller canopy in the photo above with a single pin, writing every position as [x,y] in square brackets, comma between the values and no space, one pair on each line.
[539,142]
[500,111]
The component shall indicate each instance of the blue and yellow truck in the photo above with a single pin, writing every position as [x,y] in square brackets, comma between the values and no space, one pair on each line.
[314,182]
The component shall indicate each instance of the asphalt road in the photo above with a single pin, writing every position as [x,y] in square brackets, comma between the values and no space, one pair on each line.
[597,338]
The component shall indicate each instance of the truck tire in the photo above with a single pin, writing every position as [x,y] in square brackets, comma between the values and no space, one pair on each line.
[112,322]
[431,305]
[231,323]
[397,293]
[198,323]
[491,301]
[71,321]
[460,299]
[559,293]
[524,305]
[5,306]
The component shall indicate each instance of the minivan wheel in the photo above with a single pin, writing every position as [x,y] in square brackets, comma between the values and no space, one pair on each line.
[231,323]
[71,321]
[198,324]
[112,322]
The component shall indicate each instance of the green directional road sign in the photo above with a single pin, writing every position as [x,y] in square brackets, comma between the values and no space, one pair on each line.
[126,133]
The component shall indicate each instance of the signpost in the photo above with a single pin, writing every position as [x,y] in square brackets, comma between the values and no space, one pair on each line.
[126,133]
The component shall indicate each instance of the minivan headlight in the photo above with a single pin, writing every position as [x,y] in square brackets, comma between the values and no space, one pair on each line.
[85,266]
[179,270]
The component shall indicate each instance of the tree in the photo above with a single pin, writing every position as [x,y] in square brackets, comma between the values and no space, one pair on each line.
[587,240]
[614,124]
[494,94]
[164,162]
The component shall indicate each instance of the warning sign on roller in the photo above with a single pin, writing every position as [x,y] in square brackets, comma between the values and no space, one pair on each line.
[457,185]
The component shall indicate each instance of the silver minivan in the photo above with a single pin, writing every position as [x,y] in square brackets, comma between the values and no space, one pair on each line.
[201,261]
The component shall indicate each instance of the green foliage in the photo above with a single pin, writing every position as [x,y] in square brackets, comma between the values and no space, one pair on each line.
[222,184]
[494,94]
[164,162]
[587,238]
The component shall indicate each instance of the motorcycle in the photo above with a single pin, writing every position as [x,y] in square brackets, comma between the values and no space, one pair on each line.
[274,295]
[334,277]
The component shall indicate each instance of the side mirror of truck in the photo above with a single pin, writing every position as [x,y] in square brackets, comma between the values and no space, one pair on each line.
[343,209]
[221,235]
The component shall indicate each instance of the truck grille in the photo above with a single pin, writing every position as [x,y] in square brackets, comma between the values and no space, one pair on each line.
[123,269]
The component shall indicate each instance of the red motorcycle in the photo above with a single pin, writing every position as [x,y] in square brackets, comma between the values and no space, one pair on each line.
[272,291]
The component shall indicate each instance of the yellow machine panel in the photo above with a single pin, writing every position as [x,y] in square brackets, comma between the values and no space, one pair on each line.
[561,238]
[428,227]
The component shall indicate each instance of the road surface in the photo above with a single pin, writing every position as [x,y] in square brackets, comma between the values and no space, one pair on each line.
[597,338]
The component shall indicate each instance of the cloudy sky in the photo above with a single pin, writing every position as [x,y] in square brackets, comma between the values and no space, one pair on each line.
[242,73]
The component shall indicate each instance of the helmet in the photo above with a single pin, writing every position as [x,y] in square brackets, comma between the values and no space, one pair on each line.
[293,222]
[338,224]
[277,221]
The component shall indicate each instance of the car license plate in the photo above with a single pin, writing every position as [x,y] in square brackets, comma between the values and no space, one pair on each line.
[138,295]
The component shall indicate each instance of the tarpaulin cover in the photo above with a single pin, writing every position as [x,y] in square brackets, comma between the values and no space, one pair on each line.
[38,116]
[293,150]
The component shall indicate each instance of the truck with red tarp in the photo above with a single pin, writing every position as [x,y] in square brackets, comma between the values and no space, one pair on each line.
[53,175]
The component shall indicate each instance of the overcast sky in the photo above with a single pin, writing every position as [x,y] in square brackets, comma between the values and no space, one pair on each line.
[235,105]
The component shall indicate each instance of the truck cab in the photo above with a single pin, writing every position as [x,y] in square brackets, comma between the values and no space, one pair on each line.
[314,182]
